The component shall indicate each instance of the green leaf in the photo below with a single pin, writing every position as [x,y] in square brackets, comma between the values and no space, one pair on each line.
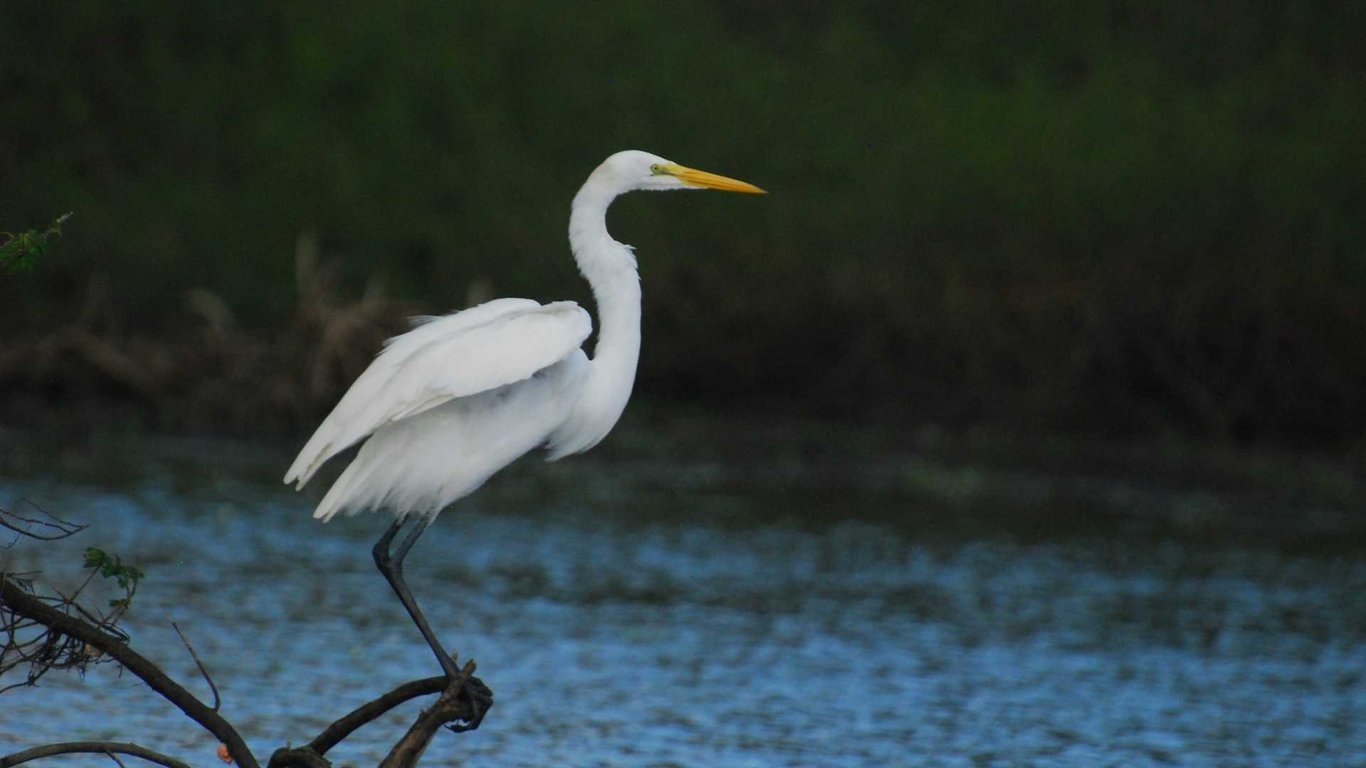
[111,567]
[18,253]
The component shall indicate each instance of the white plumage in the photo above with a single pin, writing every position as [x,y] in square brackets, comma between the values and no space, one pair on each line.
[452,387]
[449,403]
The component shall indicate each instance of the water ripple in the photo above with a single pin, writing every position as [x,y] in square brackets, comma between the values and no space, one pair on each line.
[708,632]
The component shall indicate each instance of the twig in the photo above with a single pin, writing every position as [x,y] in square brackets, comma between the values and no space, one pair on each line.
[103,623]
[202,671]
[29,606]
[89,577]
[91,747]
[62,527]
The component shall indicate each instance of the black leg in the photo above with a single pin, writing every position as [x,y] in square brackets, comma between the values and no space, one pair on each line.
[391,566]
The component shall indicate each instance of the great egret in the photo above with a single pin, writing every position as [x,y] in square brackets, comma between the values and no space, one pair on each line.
[449,403]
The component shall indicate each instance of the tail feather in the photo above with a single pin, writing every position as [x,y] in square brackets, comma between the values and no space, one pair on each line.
[313,455]
[339,497]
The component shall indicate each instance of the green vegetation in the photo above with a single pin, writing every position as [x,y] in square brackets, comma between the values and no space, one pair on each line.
[1107,217]
[108,566]
[18,253]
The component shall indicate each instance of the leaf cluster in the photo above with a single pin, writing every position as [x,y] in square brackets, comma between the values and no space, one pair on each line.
[109,566]
[18,253]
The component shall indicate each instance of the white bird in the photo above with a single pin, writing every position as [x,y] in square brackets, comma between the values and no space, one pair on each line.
[446,405]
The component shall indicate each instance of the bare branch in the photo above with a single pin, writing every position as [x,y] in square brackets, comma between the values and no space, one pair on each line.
[454,709]
[344,726]
[51,527]
[30,643]
[198,663]
[110,748]
[451,707]
[25,642]
[75,630]
[52,631]
[311,754]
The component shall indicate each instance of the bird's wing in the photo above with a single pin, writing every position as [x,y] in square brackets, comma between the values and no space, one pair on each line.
[444,358]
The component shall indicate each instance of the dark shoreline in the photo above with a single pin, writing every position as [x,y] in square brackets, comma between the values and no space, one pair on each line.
[1024,486]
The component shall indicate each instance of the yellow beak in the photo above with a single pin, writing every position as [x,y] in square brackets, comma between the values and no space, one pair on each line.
[711,180]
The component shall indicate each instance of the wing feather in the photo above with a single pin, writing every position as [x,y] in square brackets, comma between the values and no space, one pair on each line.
[481,348]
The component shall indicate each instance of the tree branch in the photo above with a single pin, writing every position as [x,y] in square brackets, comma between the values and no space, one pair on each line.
[23,604]
[55,632]
[450,707]
[202,671]
[91,747]
[344,726]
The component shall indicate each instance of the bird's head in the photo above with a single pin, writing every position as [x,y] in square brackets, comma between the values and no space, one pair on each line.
[632,169]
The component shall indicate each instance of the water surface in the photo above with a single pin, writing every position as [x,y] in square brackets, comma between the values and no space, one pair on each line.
[639,608]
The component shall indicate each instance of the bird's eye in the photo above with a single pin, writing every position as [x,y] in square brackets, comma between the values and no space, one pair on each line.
[657,169]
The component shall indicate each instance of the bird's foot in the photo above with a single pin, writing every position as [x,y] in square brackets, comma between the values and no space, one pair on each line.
[477,697]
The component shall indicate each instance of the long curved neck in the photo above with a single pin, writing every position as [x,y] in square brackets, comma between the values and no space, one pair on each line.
[610,269]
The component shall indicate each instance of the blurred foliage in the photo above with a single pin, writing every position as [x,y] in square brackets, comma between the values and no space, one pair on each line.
[1111,217]
[18,253]
[109,566]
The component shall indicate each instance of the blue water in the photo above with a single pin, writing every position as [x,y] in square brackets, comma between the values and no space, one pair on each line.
[634,610]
